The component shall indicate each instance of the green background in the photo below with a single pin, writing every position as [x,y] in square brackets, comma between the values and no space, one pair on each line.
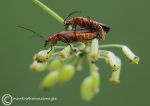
[130,23]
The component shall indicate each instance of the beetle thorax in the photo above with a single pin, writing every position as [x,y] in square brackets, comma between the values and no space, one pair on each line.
[53,39]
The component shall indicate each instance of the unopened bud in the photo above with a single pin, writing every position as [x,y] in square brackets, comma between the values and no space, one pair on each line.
[50,80]
[87,92]
[132,57]
[115,78]
[94,53]
[112,60]
[66,73]
[42,56]
[55,64]
[38,67]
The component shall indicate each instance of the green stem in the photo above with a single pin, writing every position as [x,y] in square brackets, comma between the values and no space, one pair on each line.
[49,11]
[105,51]
[103,57]
[111,45]
[90,65]
[74,62]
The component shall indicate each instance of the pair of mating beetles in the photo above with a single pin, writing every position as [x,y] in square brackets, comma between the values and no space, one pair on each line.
[89,30]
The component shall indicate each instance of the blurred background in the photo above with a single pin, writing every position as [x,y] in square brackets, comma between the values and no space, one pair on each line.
[129,21]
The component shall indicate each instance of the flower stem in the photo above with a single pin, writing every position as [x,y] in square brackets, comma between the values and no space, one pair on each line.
[111,45]
[49,11]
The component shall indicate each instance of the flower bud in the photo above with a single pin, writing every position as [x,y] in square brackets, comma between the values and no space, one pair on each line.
[38,67]
[112,60]
[87,92]
[55,64]
[96,81]
[65,52]
[94,53]
[116,74]
[50,80]
[133,58]
[66,73]
[42,56]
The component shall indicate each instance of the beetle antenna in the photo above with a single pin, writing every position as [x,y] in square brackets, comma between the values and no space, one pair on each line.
[71,14]
[37,34]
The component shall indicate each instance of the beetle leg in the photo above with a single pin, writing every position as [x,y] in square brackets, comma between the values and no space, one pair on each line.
[50,49]
[66,41]
[70,46]
[75,29]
